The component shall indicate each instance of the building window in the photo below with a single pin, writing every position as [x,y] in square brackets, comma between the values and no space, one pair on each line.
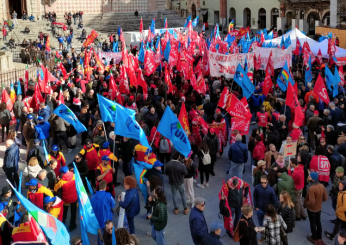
[203,3]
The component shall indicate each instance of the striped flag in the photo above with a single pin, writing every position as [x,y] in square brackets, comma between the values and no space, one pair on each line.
[12,93]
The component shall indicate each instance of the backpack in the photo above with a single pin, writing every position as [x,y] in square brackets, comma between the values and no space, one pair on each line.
[236,236]
[206,158]
[164,146]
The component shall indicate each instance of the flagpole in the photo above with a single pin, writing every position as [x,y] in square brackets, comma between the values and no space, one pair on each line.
[153,139]
[104,128]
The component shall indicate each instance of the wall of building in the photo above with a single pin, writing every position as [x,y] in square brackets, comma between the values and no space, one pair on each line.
[341,34]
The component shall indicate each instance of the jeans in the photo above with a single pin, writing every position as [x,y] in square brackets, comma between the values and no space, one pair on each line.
[236,214]
[69,45]
[17,125]
[260,216]
[131,222]
[158,236]
[315,224]
[73,213]
[180,188]
[236,169]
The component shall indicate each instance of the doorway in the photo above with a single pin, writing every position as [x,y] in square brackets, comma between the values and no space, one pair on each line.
[193,10]
[16,5]
[216,17]
[262,18]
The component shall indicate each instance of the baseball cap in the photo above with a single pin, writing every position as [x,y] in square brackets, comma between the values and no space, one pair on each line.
[339,169]
[212,130]
[64,170]
[30,116]
[49,199]
[55,148]
[5,190]
[105,145]
[40,118]
[105,158]
[316,112]
[215,226]
[32,182]
[157,164]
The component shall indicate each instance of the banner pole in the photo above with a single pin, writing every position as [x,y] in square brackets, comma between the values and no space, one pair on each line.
[153,139]
[104,128]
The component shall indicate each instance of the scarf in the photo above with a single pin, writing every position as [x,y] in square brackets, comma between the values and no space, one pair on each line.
[281,164]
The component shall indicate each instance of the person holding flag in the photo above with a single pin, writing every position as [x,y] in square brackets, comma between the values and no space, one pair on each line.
[105,172]
[54,206]
[28,231]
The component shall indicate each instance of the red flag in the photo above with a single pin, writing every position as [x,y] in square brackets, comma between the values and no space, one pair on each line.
[262,38]
[149,63]
[341,74]
[244,101]
[257,62]
[5,98]
[113,89]
[307,52]
[26,82]
[331,47]
[141,82]
[124,83]
[48,44]
[141,26]
[61,97]
[297,50]
[63,71]
[299,116]
[320,90]
[319,57]
[270,65]
[292,97]
[36,98]
[99,63]
[168,79]
[201,88]
[183,119]
[232,105]
[268,84]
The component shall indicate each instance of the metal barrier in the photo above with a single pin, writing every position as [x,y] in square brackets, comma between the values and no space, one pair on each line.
[12,76]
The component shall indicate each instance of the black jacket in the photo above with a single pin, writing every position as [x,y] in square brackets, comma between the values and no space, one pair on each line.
[213,143]
[82,167]
[10,205]
[176,171]
[235,197]
[288,215]
[38,152]
[274,138]
[51,176]
[211,239]
[247,231]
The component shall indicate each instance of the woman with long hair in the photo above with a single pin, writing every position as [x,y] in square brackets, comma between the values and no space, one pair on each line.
[286,210]
[258,172]
[159,216]
[272,223]
[203,169]
[188,179]
[123,237]
[5,119]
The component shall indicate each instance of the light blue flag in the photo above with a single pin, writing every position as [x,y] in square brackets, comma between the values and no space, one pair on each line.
[65,113]
[241,77]
[337,78]
[171,128]
[284,78]
[89,186]
[54,229]
[124,119]
[270,35]
[115,46]
[157,43]
[141,53]
[86,212]
[19,89]
[288,42]
[308,72]
[152,26]
[335,90]
[167,51]
[329,77]
[45,152]
[282,41]
[140,169]
[195,21]
[114,241]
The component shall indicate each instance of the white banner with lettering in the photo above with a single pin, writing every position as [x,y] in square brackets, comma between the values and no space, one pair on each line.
[111,55]
[280,56]
[221,64]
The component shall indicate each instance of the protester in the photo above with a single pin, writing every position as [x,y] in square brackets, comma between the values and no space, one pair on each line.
[123,237]
[10,165]
[59,156]
[258,172]
[247,227]
[272,223]
[105,172]
[159,216]
[198,225]
[89,153]
[5,119]
[238,155]
[54,206]
[6,202]
[286,183]
[51,176]
[188,179]
[37,193]
[213,144]
[204,166]
[214,236]
[286,210]
[38,152]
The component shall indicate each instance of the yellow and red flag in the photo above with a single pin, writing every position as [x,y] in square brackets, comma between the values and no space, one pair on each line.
[183,119]
[5,98]
[48,44]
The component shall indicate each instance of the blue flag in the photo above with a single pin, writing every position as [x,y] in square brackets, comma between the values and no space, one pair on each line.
[19,89]
[141,53]
[284,77]
[114,241]
[88,218]
[167,51]
[45,152]
[308,72]
[140,170]
[157,43]
[171,128]
[124,119]
[282,41]
[244,82]
[115,46]
[91,191]
[329,77]
[288,42]
[195,21]
[245,65]
[54,229]
[152,26]
[335,90]
[65,113]
[270,35]
[119,31]
[187,21]
[337,78]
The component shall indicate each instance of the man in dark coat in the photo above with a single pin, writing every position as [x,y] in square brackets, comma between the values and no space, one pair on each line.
[198,225]
[38,152]
[213,238]
[273,137]
[10,165]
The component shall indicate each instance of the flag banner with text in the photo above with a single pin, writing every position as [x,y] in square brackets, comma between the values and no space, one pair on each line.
[280,56]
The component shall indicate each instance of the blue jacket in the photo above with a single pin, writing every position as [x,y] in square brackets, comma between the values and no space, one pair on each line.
[263,196]
[335,114]
[102,203]
[60,39]
[198,225]
[11,157]
[45,113]
[237,152]
[44,127]
[131,211]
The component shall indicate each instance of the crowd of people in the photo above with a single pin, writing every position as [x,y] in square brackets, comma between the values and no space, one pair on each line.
[286,189]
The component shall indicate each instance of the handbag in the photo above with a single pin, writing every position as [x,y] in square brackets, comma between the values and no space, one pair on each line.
[118,208]
[283,236]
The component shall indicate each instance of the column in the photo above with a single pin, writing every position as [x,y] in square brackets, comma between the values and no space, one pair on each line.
[281,22]
[318,23]
[333,13]
[295,23]
[28,7]
[303,26]
[223,12]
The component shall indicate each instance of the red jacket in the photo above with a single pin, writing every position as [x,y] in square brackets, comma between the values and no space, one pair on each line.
[91,157]
[68,186]
[37,197]
[320,164]
[298,176]
[258,151]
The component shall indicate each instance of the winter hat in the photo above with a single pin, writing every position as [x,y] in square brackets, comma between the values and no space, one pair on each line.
[314,176]
[49,199]
[64,170]
[76,101]
[5,190]
[343,184]
[212,130]
[261,163]
[339,169]
[316,112]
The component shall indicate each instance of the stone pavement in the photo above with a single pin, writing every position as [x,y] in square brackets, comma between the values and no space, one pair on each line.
[177,231]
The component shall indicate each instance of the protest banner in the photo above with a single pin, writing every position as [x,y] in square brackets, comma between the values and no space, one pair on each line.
[111,55]
[290,149]
[280,56]
[221,64]
[90,38]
